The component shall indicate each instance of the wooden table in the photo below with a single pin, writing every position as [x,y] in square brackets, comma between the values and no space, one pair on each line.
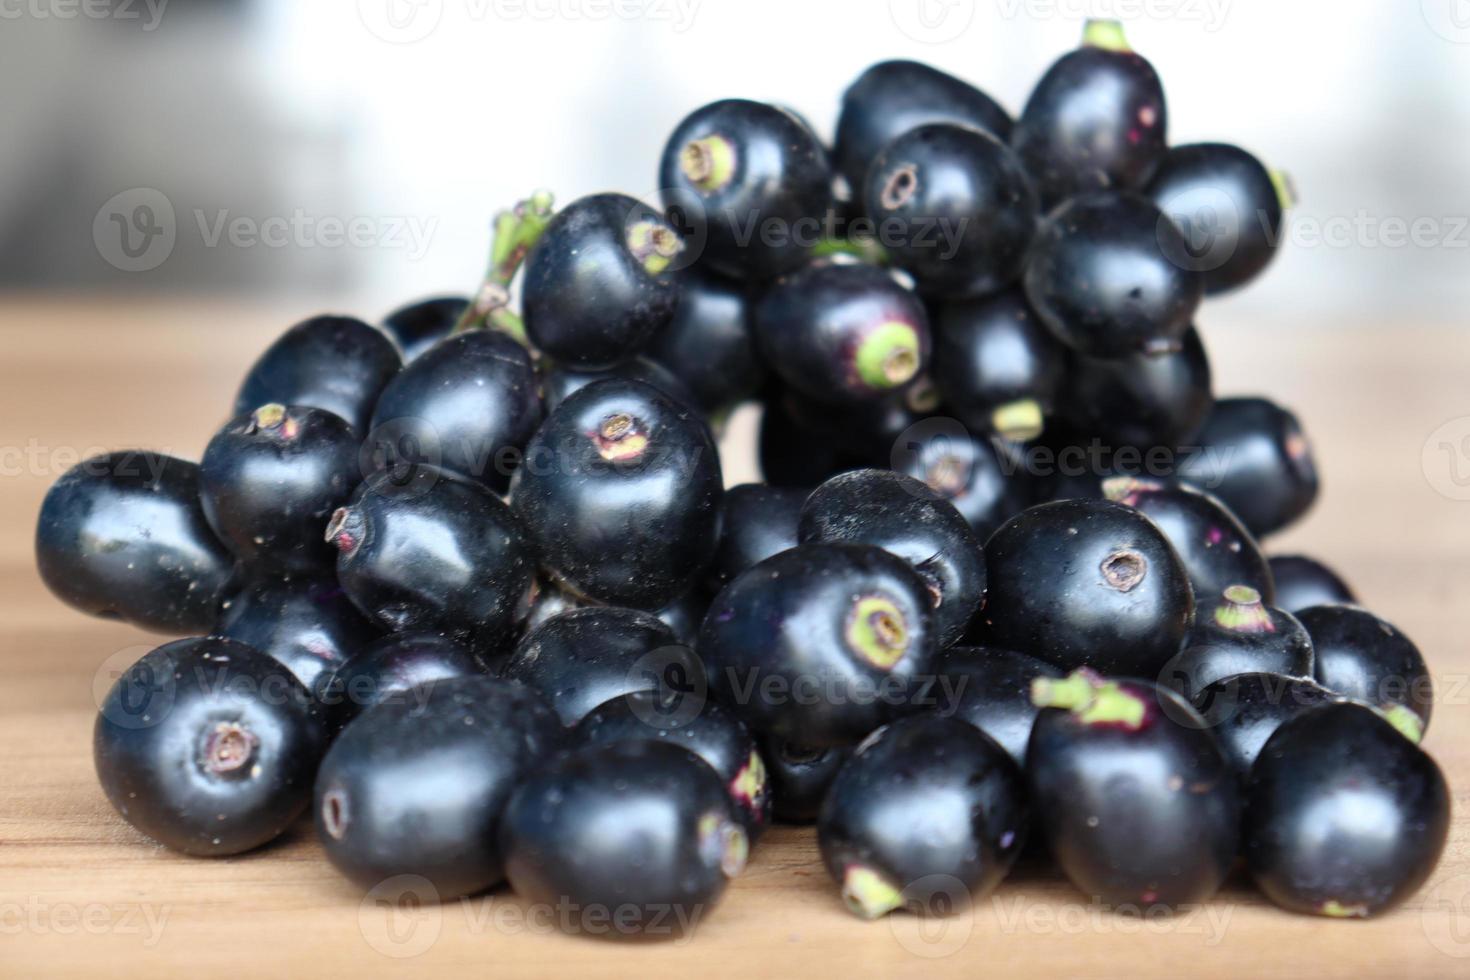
[82,894]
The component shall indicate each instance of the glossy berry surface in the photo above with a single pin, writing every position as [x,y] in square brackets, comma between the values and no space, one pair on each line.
[270,480]
[842,333]
[958,209]
[396,669]
[208,746]
[1302,582]
[990,689]
[632,838]
[418,787]
[305,623]
[1170,837]
[1228,206]
[905,518]
[418,326]
[1102,276]
[1236,632]
[122,535]
[709,343]
[800,777]
[599,282]
[997,367]
[584,658]
[987,487]
[894,97]
[1345,817]
[1086,583]
[1144,402]
[1255,457]
[925,808]
[1216,549]
[559,382]
[468,405]
[1095,121]
[704,728]
[421,549]
[1368,659]
[756,522]
[620,493]
[1244,710]
[741,180]
[821,644]
[335,363]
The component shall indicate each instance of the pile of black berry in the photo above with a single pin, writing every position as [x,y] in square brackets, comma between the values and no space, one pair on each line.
[470,584]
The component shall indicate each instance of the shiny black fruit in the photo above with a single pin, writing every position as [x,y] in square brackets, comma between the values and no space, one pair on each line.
[1135,800]
[624,839]
[469,405]
[998,368]
[418,787]
[422,549]
[599,283]
[419,326]
[842,333]
[1086,583]
[1368,659]
[956,209]
[584,658]
[208,746]
[1302,582]
[1143,402]
[1095,121]
[306,623]
[929,813]
[893,97]
[396,669]
[1345,817]
[336,363]
[1236,632]
[821,644]
[905,518]
[1216,549]
[1244,710]
[704,728]
[1254,456]
[1229,207]
[987,486]
[709,344]
[559,382]
[748,185]
[991,689]
[800,777]
[756,522]
[122,535]
[270,480]
[620,492]
[1102,278]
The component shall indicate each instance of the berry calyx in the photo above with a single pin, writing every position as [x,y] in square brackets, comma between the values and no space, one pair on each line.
[1244,612]
[708,163]
[889,356]
[876,631]
[1019,421]
[869,894]
[1105,34]
[1093,700]
[654,245]
[227,749]
[620,437]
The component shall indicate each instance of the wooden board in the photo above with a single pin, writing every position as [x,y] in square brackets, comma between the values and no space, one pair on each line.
[82,894]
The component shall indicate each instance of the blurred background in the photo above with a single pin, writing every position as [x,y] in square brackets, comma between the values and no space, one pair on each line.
[354,150]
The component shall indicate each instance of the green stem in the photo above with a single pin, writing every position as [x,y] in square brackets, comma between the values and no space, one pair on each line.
[516,232]
[1105,34]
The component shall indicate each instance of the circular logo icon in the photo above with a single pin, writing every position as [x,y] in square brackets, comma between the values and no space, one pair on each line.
[400,21]
[135,230]
[1450,19]
[1209,223]
[938,451]
[401,916]
[932,21]
[133,691]
[945,919]
[1446,459]
[675,677]
[1446,916]
[408,451]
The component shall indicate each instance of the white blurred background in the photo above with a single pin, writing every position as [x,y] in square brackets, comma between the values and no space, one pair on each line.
[356,149]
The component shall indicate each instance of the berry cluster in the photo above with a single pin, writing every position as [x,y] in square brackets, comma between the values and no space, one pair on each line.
[471,587]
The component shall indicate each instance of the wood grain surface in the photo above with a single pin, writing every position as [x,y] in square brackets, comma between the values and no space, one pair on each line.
[82,894]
